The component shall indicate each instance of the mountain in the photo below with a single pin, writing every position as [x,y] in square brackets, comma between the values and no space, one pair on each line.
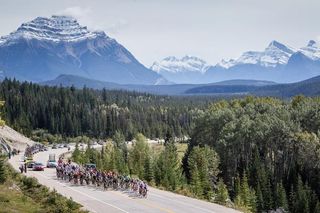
[277,62]
[174,89]
[181,70]
[275,54]
[80,82]
[309,87]
[312,50]
[45,48]
[244,82]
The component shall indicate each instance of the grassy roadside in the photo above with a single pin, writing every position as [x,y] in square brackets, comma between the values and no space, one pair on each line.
[19,193]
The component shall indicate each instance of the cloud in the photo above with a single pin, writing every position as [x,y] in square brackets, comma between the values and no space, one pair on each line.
[88,18]
[83,15]
[115,27]
[77,12]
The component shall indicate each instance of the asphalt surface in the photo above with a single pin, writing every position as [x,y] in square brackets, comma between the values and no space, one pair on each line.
[97,200]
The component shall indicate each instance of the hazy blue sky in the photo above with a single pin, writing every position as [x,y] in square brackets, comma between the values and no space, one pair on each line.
[153,29]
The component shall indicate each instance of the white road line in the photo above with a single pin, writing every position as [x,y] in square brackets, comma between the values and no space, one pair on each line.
[184,203]
[101,201]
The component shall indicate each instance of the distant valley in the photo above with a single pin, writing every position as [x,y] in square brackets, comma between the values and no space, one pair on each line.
[309,87]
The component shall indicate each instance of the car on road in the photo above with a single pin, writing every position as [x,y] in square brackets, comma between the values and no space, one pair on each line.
[38,167]
[65,145]
[30,164]
[54,146]
[51,164]
[60,146]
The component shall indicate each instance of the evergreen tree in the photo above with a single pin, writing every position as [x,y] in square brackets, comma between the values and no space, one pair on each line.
[204,161]
[2,170]
[195,182]
[281,197]
[76,154]
[246,197]
[148,169]
[260,201]
[300,199]
[138,154]
[221,193]
[172,172]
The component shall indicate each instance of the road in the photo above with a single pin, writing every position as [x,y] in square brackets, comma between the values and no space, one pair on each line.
[97,200]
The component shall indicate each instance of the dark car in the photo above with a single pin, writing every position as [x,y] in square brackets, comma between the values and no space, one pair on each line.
[38,167]
[30,164]
[54,146]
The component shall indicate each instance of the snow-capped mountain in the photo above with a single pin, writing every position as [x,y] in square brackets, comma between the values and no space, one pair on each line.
[184,64]
[45,48]
[181,70]
[312,50]
[274,55]
[278,62]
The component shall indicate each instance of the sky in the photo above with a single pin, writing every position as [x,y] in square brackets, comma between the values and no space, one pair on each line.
[154,29]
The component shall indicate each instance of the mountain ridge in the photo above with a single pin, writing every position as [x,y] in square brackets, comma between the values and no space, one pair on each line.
[274,63]
[45,48]
[236,87]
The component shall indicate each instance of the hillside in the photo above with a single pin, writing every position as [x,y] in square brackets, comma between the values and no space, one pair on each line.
[173,89]
[14,139]
[309,87]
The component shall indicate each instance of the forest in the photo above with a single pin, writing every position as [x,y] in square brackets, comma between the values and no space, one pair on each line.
[254,154]
[268,146]
[72,112]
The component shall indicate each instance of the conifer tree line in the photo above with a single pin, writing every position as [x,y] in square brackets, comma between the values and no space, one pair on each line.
[269,152]
[256,154]
[75,112]
[159,168]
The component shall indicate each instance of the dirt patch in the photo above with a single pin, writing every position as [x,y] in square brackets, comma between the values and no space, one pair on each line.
[14,138]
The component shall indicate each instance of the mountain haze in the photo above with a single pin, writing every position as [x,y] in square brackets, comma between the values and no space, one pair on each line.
[277,62]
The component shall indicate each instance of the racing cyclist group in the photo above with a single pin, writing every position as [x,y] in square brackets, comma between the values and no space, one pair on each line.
[106,179]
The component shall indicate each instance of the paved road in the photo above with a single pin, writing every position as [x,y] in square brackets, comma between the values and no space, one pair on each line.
[97,200]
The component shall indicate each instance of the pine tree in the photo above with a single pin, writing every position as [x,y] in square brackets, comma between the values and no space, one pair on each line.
[195,182]
[281,197]
[172,166]
[140,150]
[300,199]
[221,194]
[148,172]
[260,202]
[246,197]
[76,155]
[2,171]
